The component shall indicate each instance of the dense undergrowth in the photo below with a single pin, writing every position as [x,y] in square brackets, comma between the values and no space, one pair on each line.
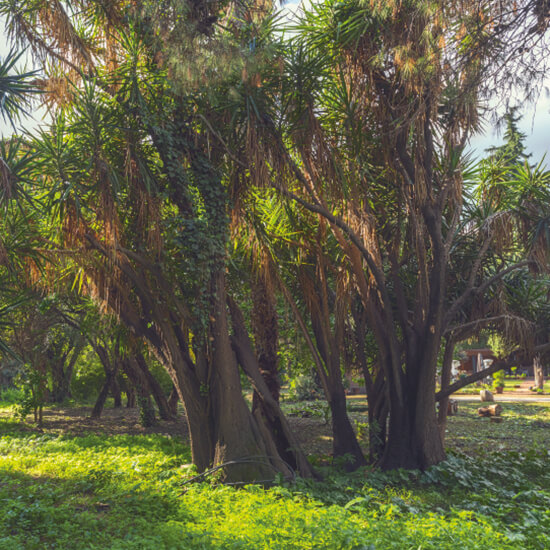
[129,492]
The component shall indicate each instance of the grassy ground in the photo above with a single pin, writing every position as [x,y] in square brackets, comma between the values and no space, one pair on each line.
[80,485]
[511,385]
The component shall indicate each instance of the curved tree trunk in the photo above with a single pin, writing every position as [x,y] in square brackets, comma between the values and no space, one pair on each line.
[344,440]
[156,391]
[101,398]
[110,375]
[222,428]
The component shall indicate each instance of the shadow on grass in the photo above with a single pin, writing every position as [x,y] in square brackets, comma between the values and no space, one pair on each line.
[38,512]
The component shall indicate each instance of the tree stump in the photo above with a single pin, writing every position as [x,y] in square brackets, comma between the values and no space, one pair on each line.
[486,395]
[491,410]
[452,407]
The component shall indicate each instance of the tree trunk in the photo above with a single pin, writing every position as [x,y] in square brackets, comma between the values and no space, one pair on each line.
[156,391]
[265,330]
[344,440]
[538,371]
[378,410]
[130,396]
[221,427]
[110,374]
[101,398]
[116,392]
[281,438]
[236,434]
[446,369]
[173,399]
[414,440]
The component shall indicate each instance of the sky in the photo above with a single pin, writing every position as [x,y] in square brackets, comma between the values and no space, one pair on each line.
[535,123]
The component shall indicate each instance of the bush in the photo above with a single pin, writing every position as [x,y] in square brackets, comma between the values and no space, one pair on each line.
[498,379]
[11,395]
[88,378]
[303,388]
[162,376]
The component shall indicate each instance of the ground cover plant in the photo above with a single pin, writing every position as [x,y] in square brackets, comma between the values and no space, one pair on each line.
[95,488]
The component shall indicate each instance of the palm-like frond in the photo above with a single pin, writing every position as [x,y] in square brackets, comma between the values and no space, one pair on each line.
[15,88]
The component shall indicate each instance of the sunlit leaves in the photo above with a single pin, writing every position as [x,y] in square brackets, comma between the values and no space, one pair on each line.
[15,88]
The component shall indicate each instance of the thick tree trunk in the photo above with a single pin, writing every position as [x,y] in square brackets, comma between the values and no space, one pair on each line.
[236,434]
[538,371]
[278,433]
[221,427]
[344,440]
[414,440]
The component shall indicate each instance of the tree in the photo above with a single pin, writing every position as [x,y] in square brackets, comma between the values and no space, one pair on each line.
[138,198]
[371,139]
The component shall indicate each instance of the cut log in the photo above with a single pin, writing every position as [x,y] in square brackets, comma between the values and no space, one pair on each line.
[486,395]
[492,410]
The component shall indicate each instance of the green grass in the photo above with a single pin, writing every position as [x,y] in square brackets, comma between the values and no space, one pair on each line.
[128,492]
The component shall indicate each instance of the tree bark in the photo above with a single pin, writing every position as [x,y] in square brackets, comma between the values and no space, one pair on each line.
[414,440]
[110,374]
[538,370]
[130,396]
[265,331]
[344,440]
[446,369]
[285,443]
[116,392]
[236,434]
[173,402]
[101,398]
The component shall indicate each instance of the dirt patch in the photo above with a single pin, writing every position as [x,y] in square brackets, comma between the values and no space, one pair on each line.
[312,433]
[77,421]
